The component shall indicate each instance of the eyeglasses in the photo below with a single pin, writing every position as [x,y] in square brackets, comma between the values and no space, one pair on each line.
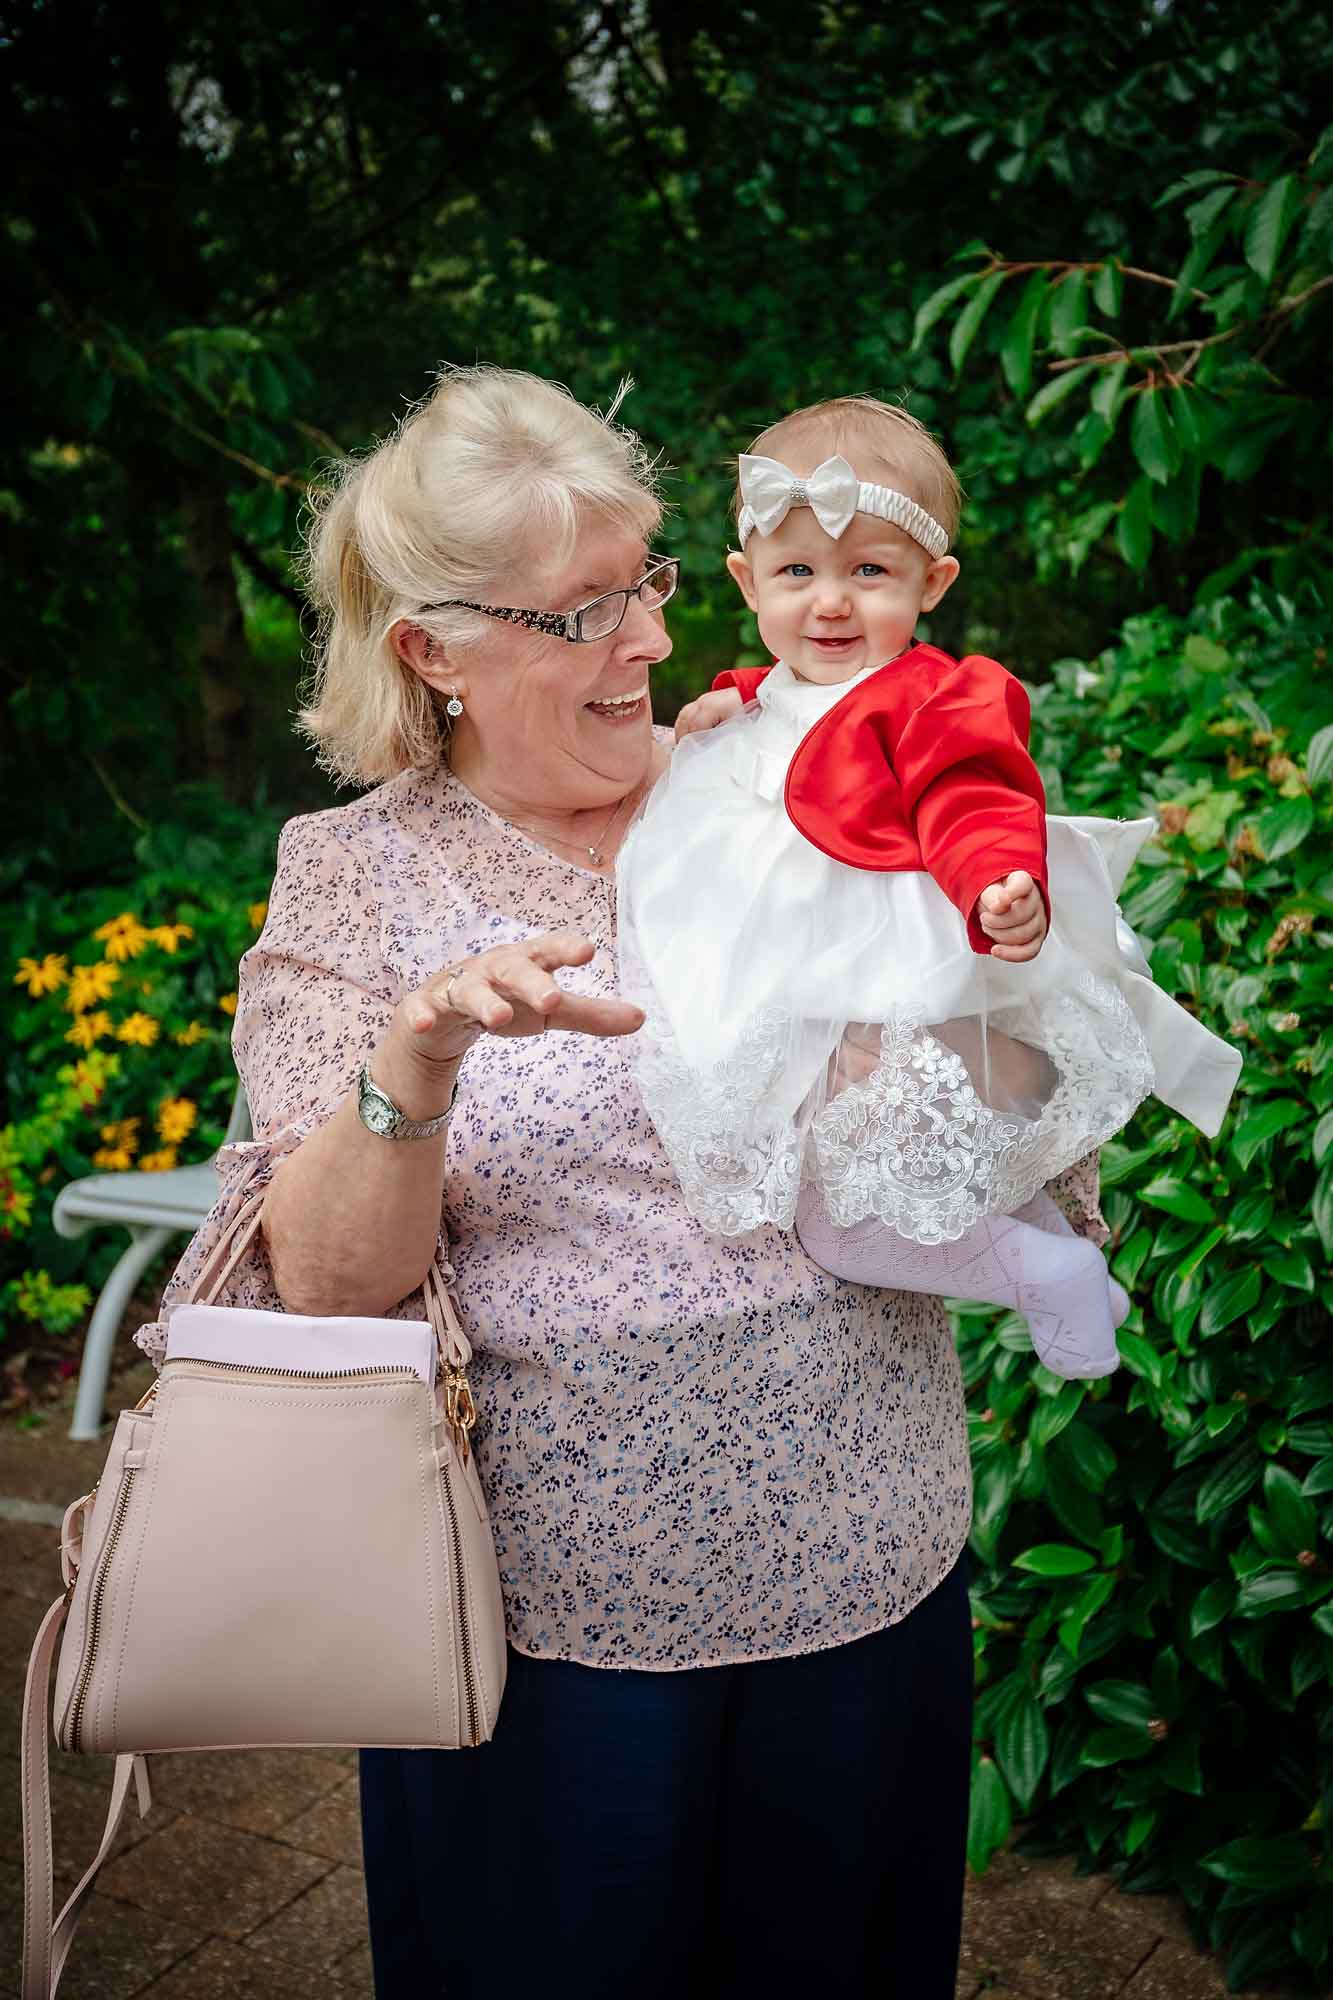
[597,619]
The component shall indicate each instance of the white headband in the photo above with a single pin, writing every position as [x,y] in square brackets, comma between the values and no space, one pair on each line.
[835,494]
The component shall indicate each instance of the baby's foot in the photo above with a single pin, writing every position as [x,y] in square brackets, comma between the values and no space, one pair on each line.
[1043,1213]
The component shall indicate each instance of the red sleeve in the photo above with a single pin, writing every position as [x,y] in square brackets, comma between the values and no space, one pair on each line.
[744,679]
[970,789]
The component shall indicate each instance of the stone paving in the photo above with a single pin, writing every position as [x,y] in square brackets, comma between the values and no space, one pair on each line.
[245,1883]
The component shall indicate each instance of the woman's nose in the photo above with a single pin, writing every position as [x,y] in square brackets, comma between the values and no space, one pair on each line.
[643,634]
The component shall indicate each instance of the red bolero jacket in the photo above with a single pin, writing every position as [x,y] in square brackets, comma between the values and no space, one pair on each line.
[924,765]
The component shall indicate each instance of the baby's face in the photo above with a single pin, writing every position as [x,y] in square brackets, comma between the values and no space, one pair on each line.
[829,608]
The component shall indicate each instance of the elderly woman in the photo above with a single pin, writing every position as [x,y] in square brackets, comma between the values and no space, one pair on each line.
[729,1494]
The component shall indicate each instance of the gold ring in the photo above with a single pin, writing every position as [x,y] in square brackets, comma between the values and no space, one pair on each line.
[454,973]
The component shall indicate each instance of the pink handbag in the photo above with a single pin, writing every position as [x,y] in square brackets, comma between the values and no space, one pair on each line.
[288,1545]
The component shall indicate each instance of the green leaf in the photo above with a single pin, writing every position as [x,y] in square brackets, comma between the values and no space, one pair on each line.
[1291,1268]
[1281,1863]
[935,307]
[1084,1608]
[1055,389]
[1270,1590]
[968,322]
[1319,756]
[1054,1559]
[1321,1209]
[1179,1765]
[1228,1299]
[1152,435]
[1284,826]
[1092,1458]
[1133,532]
[1262,1123]
[1190,184]
[1128,1702]
[1212,1605]
[990,1816]
[1016,348]
[1105,398]
[1293,1515]
[1022,1742]
[1323,1138]
[1167,1191]
[1319,1479]
[1229,1481]
[1108,289]
[1270,219]
[1069,311]
[1116,1746]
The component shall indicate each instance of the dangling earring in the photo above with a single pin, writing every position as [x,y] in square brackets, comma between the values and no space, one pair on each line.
[453,708]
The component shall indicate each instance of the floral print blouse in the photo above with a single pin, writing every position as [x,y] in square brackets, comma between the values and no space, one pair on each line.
[695,1450]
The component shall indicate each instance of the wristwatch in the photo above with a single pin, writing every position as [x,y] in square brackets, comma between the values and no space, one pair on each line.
[380,1115]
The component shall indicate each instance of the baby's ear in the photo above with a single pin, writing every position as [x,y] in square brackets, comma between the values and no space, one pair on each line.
[742,573]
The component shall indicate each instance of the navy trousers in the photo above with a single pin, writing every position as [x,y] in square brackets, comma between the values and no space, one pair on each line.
[777,1827]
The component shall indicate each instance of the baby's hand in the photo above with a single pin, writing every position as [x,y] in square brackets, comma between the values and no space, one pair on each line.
[718,705]
[1012,912]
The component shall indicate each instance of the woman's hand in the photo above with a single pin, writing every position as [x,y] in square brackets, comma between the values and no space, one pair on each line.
[718,705]
[508,990]
[1012,912]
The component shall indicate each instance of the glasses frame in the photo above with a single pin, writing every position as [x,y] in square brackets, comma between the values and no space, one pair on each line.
[568,625]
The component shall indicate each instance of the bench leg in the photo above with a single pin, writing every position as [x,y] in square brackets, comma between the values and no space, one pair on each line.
[95,1365]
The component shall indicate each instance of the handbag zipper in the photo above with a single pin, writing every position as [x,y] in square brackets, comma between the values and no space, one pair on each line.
[398,1371]
[464,1628]
[95,1604]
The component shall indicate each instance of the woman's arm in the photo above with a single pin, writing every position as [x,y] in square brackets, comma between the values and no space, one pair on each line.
[351,1220]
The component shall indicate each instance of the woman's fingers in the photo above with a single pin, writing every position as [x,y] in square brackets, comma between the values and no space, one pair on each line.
[511,990]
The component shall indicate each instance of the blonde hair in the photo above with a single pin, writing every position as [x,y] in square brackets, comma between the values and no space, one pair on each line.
[493,463]
[901,442]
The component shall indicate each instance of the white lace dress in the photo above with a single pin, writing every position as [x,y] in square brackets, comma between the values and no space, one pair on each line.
[811,1021]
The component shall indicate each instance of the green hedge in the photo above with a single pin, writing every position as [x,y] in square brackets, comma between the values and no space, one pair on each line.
[1153,1600]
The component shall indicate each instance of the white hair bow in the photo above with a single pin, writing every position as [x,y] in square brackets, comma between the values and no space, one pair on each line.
[769,490]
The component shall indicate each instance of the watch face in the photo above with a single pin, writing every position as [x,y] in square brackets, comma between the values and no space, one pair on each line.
[376,1113]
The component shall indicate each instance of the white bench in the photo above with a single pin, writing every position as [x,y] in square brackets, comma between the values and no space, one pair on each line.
[152,1207]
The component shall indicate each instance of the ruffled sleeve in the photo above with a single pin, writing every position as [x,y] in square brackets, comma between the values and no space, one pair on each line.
[314,998]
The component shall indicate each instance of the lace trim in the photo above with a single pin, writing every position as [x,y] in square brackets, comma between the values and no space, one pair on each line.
[913,1143]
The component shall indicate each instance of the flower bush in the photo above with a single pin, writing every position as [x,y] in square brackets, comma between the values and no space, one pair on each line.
[1153,1599]
[116,1016]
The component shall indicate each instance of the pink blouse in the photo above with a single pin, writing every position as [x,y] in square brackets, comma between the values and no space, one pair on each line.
[695,1450]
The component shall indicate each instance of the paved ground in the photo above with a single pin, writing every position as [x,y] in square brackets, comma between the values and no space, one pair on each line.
[245,1882]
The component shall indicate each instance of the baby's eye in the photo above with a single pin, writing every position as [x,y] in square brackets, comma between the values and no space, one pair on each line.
[796,569]
[871,569]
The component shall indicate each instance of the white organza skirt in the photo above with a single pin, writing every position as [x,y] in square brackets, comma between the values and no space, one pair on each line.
[810,1021]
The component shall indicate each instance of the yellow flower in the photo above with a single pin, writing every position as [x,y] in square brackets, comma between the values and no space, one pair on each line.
[46,977]
[140,1028]
[124,936]
[187,1037]
[257,913]
[158,1163]
[168,936]
[228,1003]
[123,1132]
[89,1028]
[176,1117]
[90,983]
[114,1158]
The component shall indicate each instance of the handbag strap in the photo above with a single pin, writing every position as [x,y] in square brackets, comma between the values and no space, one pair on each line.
[239,1238]
[46,1944]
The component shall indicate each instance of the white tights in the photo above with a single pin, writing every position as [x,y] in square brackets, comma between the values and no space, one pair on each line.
[1032,1261]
